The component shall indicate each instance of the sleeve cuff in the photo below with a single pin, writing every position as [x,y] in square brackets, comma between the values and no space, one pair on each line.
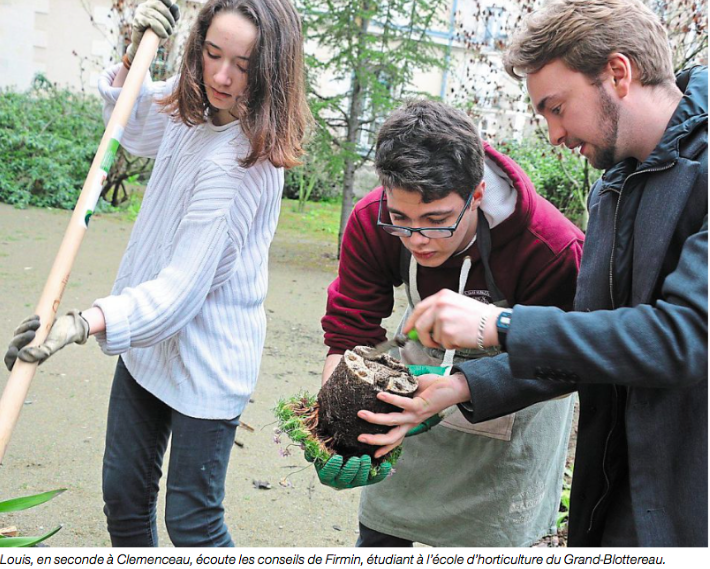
[466,409]
[117,337]
[111,94]
[108,93]
[524,354]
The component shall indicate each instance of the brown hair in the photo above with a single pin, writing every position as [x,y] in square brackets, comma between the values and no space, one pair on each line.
[273,111]
[583,33]
[431,148]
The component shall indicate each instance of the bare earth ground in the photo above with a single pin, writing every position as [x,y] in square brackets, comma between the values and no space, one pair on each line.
[58,441]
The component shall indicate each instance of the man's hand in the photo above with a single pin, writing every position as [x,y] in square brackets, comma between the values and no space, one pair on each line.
[451,320]
[158,15]
[356,471]
[434,394]
[71,328]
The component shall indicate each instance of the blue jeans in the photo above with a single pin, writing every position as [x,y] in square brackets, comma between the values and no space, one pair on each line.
[137,433]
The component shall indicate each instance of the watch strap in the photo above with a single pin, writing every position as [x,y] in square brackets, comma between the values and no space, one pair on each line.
[502,326]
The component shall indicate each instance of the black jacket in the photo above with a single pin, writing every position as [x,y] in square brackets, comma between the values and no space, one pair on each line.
[636,346]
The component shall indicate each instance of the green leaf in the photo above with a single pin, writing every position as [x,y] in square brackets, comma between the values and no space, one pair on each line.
[27,541]
[561,519]
[48,137]
[26,502]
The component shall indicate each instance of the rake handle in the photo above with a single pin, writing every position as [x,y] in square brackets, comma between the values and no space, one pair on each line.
[18,384]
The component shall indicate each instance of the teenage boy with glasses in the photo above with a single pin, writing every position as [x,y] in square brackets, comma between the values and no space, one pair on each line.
[429,232]
[454,213]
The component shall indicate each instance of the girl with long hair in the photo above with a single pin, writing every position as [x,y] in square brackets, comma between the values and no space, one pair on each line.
[186,312]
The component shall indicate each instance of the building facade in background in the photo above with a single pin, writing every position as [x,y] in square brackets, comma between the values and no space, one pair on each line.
[56,38]
[68,41]
[71,41]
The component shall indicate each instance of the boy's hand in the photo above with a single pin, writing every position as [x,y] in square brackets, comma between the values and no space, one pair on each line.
[435,393]
[357,471]
[434,420]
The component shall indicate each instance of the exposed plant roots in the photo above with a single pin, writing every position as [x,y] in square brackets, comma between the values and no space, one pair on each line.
[328,424]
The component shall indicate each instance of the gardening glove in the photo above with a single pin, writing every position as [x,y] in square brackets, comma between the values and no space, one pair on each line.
[72,328]
[356,472]
[160,16]
[434,420]
[22,336]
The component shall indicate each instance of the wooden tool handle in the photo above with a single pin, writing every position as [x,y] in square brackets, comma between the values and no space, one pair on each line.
[18,384]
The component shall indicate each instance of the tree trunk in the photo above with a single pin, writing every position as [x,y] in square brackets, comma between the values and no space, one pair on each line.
[356,105]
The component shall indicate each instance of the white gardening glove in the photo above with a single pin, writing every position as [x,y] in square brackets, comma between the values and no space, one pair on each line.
[158,15]
[72,328]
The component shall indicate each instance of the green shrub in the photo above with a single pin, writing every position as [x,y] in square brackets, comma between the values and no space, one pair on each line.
[304,184]
[564,178]
[320,175]
[48,138]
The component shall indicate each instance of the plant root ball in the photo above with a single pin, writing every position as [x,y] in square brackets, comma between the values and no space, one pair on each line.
[354,385]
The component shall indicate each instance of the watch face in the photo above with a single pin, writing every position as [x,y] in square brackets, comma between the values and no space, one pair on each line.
[504,319]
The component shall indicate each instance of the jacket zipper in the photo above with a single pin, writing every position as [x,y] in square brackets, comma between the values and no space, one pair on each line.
[616,217]
[607,484]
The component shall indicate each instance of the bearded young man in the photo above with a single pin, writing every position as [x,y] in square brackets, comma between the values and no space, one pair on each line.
[600,73]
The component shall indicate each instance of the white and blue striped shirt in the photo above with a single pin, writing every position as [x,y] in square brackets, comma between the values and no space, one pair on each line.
[186,311]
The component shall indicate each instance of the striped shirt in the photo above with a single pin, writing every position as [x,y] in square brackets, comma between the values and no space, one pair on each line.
[186,311]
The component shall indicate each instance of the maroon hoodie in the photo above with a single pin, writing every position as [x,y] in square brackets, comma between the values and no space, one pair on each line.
[534,260]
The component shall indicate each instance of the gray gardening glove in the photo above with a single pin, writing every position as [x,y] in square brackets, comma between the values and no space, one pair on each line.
[72,328]
[22,336]
[160,16]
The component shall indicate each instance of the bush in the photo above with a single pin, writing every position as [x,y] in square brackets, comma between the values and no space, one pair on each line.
[298,180]
[564,178]
[48,138]
[320,175]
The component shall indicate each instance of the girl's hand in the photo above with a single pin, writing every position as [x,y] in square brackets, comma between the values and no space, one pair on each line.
[23,335]
[435,393]
[158,15]
[72,328]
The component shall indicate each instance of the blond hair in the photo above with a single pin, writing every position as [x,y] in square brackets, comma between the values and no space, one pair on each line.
[584,33]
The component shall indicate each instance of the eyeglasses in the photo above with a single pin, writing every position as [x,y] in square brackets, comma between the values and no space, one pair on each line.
[428,232]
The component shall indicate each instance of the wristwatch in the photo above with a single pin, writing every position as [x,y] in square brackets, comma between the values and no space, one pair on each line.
[503,325]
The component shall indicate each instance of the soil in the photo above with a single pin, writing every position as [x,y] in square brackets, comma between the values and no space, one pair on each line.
[273,495]
[354,385]
[272,500]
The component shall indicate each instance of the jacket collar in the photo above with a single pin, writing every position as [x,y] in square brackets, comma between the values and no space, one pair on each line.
[691,112]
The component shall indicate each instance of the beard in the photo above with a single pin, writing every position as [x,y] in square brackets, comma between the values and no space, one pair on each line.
[605,157]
